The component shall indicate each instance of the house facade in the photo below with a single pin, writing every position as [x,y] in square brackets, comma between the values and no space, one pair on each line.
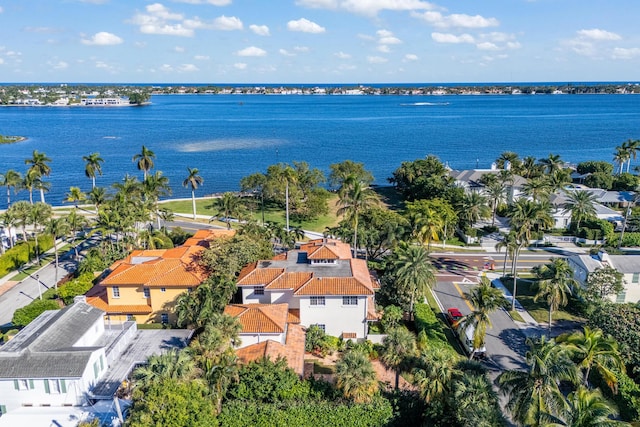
[55,360]
[145,285]
[320,282]
[628,265]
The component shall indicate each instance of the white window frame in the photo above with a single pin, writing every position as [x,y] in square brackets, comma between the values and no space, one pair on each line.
[350,300]
[317,301]
[115,291]
[258,290]
[54,387]
[23,385]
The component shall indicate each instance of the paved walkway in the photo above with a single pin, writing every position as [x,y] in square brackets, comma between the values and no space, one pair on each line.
[530,327]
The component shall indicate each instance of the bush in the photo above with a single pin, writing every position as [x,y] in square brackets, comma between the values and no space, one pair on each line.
[23,316]
[22,253]
[75,287]
[428,325]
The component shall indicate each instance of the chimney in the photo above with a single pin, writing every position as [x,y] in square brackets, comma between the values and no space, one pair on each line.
[80,298]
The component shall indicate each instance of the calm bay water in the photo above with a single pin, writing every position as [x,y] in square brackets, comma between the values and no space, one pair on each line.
[230,136]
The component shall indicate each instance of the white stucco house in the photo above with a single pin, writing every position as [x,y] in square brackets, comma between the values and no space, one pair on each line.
[628,265]
[320,283]
[470,180]
[562,218]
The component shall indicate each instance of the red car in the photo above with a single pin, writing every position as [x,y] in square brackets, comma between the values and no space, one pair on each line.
[453,316]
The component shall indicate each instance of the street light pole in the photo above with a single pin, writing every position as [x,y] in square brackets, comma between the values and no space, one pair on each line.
[37,276]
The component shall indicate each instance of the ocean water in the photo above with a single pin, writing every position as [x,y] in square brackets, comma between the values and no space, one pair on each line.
[230,136]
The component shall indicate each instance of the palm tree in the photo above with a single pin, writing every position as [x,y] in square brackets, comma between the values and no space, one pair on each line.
[174,364]
[11,179]
[588,408]
[229,205]
[552,163]
[39,168]
[591,348]
[289,176]
[356,377]
[354,197]
[496,193]
[154,187]
[75,195]
[413,271]
[40,213]
[93,167]
[631,147]
[57,227]
[397,346]
[556,281]
[434,374]
[485,299]
[511,244]
[581,204]
[534,394]
[144,161]
[474,207]
[9,220]
[75,223]
[21,211]
[193,180]
[29,182]
[621,156]
[473,398]
[537,188]
[97,196]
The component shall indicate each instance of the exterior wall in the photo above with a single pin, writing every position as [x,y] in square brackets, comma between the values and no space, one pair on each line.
[250,339]
[128,295]
[42,392]
[336,317]
[92,334]
[162,302]
[632,289]
[281,297]
[579,273]
[249,297]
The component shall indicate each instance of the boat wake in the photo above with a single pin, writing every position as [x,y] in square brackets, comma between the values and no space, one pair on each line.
[422,104]
[228,144]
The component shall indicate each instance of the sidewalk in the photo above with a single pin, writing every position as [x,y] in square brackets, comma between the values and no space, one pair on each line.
[530,328]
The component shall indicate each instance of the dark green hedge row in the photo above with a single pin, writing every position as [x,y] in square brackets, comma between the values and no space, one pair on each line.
[23,316]
[427,322]
[306,414]
[22,253]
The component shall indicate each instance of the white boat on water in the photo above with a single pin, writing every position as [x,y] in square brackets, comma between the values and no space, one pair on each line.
[104,102]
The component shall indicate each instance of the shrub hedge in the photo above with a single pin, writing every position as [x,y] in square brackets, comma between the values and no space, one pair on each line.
[22,253]
[23,316]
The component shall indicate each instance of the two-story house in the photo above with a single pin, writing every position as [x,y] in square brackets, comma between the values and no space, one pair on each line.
[320,282]
[628,265]
[144,285]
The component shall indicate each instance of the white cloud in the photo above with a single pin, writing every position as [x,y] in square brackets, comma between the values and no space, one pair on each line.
[227,23]
[252,51]
[456,20]
[188,68]
[342,55]
[514,45]
[158,19]
[103,39]
[383,48]
[318,4]
[301,49]
[60,65]
[487,46]
[261,30]
[367,7]
[240,65]
[411,57]
[623,53]
[596,34]
[305,26]
[212,2]
[160,11]
[166,67]
[285,52]
[376,60]
[179,49]
[201,57]
[452,38]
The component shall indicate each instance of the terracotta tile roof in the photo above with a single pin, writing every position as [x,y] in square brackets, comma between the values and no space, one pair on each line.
[334,286]
[292,351]
[258,276]
[349,335]
[293,280]
[294,316]
[372,314]
[326,249]
[203,237]
[97,297]
[260,318]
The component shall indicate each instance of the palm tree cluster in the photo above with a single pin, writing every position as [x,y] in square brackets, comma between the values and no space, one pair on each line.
[624,153]
[536,396]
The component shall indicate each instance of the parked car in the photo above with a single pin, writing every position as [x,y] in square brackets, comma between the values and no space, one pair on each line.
[453,316]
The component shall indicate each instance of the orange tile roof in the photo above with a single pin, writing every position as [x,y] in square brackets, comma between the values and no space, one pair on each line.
[294,315]
[260,318]
[293,280]
[334,286]
[98,299]
[326,249]
[292,351]
[258,276]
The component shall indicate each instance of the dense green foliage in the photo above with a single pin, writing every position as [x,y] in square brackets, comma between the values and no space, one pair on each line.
[75,287]
[22,253]
[427,323]
[23,316]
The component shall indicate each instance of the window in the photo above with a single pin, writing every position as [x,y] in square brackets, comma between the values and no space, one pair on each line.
[258,290]
[189,289]
[52,386]
[317,300]
[350,300]
[163,289]
[323,327]
[115,291]
[130,317]
[96,369]
[146,292]
[21,384]
[621,297]
[164,318]
[636,278]
[3,409]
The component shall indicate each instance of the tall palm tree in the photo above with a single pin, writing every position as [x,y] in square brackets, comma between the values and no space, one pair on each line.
[473,399]
[8,219]
[496,193]
[474,207]
[174,364]
[511,244]
[154,187]
[354,197]
[434,374]
[194,181]
[29,182]
[40,213]
[485,299]
[97,196]
[621,156]
[534,394]
[356,377]
[229,205]
[289,176]
[75,195]
[413,271]
[631,147]
[39,167]
[11,179]
[57,227]
[552,163]
[397,346]
[588,408]
[590,348]
[537,188]
[144,161]
[556,281]
[581,205]
[21,211]
[93,167]
[75,223]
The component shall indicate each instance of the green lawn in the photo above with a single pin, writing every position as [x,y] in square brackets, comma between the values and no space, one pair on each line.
[272,214]
[538,310]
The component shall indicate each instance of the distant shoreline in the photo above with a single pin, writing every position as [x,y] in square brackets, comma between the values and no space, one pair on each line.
[11,139]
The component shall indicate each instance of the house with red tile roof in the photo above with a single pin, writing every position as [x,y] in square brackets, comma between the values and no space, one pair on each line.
[145,284]
[320,282]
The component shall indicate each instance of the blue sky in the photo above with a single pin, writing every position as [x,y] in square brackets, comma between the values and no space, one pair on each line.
[318,41]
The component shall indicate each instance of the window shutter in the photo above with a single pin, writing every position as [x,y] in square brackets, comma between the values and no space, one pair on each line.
[3,409]
[31,386]
[63,386]
[16,385]
[46,387]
